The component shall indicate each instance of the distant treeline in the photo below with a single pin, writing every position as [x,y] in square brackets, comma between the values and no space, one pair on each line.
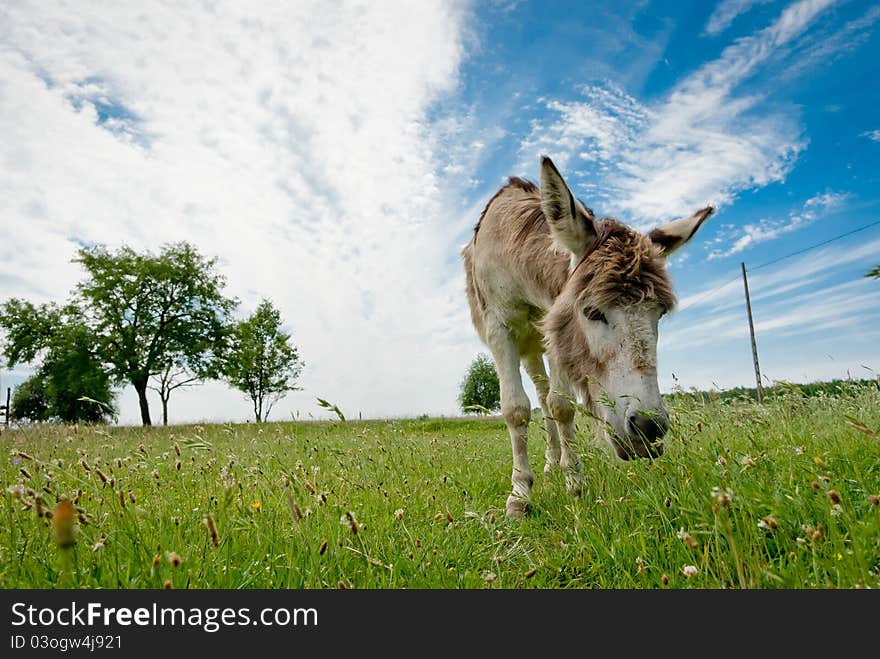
[779,389]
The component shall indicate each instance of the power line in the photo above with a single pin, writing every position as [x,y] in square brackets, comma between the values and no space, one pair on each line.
[824,242]
[782,258]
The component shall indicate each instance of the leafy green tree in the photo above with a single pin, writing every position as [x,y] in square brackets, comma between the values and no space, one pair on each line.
[874,272]
[71,383]
[261,361]
[480,390]
[148,311]
[30,400]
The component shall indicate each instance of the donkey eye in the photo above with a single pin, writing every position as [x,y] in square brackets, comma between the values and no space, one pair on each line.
[596,315]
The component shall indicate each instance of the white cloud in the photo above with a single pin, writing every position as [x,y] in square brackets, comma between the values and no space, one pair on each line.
[872,135]
[291,140]
[751,234]
[726,12]
[801,272]
[703,143]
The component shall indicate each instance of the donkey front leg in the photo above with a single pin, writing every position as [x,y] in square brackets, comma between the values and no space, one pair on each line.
[534,365]
[515,408]
[559,400]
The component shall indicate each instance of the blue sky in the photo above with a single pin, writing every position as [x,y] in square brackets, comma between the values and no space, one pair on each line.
[336,161]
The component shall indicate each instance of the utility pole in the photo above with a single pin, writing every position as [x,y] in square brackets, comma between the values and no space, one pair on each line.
[752,334]
[6,407]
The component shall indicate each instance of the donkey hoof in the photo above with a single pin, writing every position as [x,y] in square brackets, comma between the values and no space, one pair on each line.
[517,507]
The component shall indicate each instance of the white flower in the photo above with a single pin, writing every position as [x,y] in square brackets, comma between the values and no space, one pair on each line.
[689,570]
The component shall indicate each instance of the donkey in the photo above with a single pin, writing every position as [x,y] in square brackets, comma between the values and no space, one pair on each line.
[543,276]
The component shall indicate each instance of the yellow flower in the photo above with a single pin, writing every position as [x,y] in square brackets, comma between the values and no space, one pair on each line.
[256,505]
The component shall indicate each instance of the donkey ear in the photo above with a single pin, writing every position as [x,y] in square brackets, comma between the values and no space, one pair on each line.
[571,225]
[671,236]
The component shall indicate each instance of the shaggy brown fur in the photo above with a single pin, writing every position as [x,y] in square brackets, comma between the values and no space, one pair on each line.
[624,268]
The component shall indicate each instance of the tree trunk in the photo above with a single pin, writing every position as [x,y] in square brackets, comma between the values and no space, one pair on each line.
[165,410]
[141,387]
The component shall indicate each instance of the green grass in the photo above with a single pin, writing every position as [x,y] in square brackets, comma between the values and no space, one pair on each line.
[745,494]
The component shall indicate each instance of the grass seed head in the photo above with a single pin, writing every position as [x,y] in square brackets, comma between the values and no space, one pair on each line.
[64,523]
[322,548]
[175,559]
[769,523]
[352,523]
[874,499]
[834,496]
[212,531]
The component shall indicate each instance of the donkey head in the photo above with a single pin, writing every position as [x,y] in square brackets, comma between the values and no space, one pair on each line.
[601,331]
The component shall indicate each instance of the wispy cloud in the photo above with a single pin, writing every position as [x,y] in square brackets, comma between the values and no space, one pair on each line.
[291,140]
[873,135]
[726,12]
[749,235]
[800,272]
[703,143]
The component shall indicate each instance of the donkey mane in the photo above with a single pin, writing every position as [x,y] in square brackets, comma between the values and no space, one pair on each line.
[546,279]
[626,267]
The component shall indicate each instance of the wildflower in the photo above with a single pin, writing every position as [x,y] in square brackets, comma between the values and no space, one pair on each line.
[489,577]
[175,559]
[99,545]
[398,514]
[834,496]
[64,523]
[256,505]
[155,561]
[689,570]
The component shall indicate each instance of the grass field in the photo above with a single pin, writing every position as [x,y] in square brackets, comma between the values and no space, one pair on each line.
[783,495]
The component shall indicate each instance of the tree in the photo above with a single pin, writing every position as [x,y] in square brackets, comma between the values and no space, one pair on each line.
[30,400]
[261,361]
[149,312]
[173,376]
[480,390]
[874,273]
[71,383]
